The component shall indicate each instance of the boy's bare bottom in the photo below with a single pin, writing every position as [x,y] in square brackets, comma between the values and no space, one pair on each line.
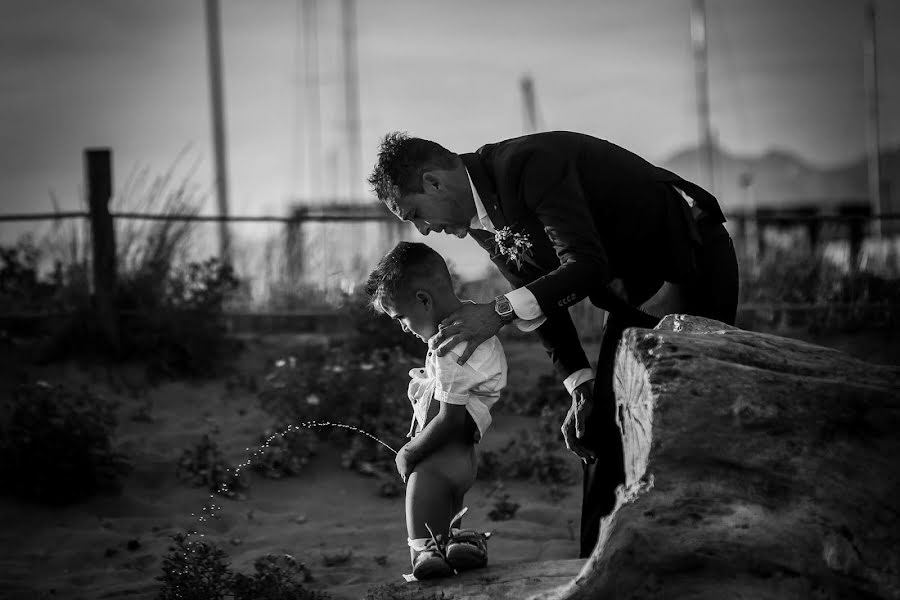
[436,489]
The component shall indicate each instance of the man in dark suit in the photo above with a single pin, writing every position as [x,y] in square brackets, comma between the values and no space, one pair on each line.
[592,220]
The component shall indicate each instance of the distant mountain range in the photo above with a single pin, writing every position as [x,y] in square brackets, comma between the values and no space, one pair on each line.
[782,180]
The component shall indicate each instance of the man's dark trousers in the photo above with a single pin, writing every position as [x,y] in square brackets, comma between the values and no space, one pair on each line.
[713,295]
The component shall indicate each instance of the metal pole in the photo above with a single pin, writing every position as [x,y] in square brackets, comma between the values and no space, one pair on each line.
[313,113]
[873,144]
[529,106]
[351,101]
[216,93]
[701,71]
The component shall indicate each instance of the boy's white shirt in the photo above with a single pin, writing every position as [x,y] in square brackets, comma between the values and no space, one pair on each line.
[529,315]
[475,384]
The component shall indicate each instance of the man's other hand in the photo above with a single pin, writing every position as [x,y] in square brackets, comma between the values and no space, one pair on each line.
[574,426]
[472,323]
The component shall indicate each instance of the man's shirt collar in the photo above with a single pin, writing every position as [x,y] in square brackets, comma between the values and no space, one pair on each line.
[481,220]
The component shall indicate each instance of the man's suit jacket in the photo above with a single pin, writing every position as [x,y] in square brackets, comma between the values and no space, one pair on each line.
[593,211]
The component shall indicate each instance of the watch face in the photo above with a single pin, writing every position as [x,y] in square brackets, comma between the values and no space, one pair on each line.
[503,306]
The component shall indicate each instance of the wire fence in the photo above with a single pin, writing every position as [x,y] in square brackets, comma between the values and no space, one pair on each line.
[289,290]
[330,247]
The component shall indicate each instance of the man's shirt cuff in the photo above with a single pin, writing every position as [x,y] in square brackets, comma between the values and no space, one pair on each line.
[577,378]
[528,312]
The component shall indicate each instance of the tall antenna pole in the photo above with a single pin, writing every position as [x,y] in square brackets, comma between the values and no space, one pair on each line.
[313,113]
[701,71]
[214,42]
[873,143]
[529,105]
[351,98]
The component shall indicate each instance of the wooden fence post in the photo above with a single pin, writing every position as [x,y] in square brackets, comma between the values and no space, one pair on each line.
[98,183]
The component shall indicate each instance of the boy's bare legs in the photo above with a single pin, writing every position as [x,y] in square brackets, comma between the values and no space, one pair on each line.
[429,499]
[436,488]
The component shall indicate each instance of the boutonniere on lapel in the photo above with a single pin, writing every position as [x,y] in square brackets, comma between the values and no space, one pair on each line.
[516,247]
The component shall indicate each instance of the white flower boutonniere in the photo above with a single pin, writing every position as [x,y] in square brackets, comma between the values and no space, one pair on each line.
[516,247]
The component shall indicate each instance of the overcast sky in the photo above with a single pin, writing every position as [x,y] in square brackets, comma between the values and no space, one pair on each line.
[131,75]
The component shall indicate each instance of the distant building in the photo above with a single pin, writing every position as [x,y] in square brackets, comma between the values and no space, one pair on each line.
[780,182]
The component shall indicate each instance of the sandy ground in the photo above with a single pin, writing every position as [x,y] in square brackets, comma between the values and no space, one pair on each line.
[112,547]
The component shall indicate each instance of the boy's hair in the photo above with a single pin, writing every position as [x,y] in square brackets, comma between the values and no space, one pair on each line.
[409,266]
[402,160]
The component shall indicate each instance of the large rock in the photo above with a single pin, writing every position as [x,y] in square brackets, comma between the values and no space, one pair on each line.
[757,467]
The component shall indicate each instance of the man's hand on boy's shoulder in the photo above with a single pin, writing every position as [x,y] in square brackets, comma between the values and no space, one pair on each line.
[472,323]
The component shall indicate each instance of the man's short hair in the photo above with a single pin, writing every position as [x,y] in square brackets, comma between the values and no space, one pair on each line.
[409,266]
[402,160]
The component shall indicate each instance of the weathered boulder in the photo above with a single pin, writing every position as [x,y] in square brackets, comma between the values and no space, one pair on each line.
[757,467]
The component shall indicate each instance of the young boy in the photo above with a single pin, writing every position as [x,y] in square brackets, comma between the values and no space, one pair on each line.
[451,410]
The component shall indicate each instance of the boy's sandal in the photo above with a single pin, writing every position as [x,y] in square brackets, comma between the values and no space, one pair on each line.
[429,564]
[467,549]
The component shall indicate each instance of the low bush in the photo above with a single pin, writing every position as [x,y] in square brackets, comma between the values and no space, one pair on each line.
[204,465]
[169,317]
[548,392]
[844,299]
[179,330]
[503,509]
[535,456]
[199,570]
[195,570]
[56,444]
[21,286]
[346,391]
[169,306]
[284,454]
[276,577]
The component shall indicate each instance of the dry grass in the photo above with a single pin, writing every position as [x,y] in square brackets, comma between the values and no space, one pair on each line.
[151,249]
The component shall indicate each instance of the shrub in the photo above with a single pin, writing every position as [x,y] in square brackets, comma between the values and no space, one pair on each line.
[199,570]
[24,289]
[791,276]
[276,577]
[503,510]
[195,570]
[528,457]
[178,327]
[548,393]
[337,385]
[21,287]
[55,445]
[170,308]
[204,465]
[285,454]
[170,318]
[533,456]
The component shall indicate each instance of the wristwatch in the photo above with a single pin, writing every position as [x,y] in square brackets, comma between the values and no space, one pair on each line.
[503,307]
